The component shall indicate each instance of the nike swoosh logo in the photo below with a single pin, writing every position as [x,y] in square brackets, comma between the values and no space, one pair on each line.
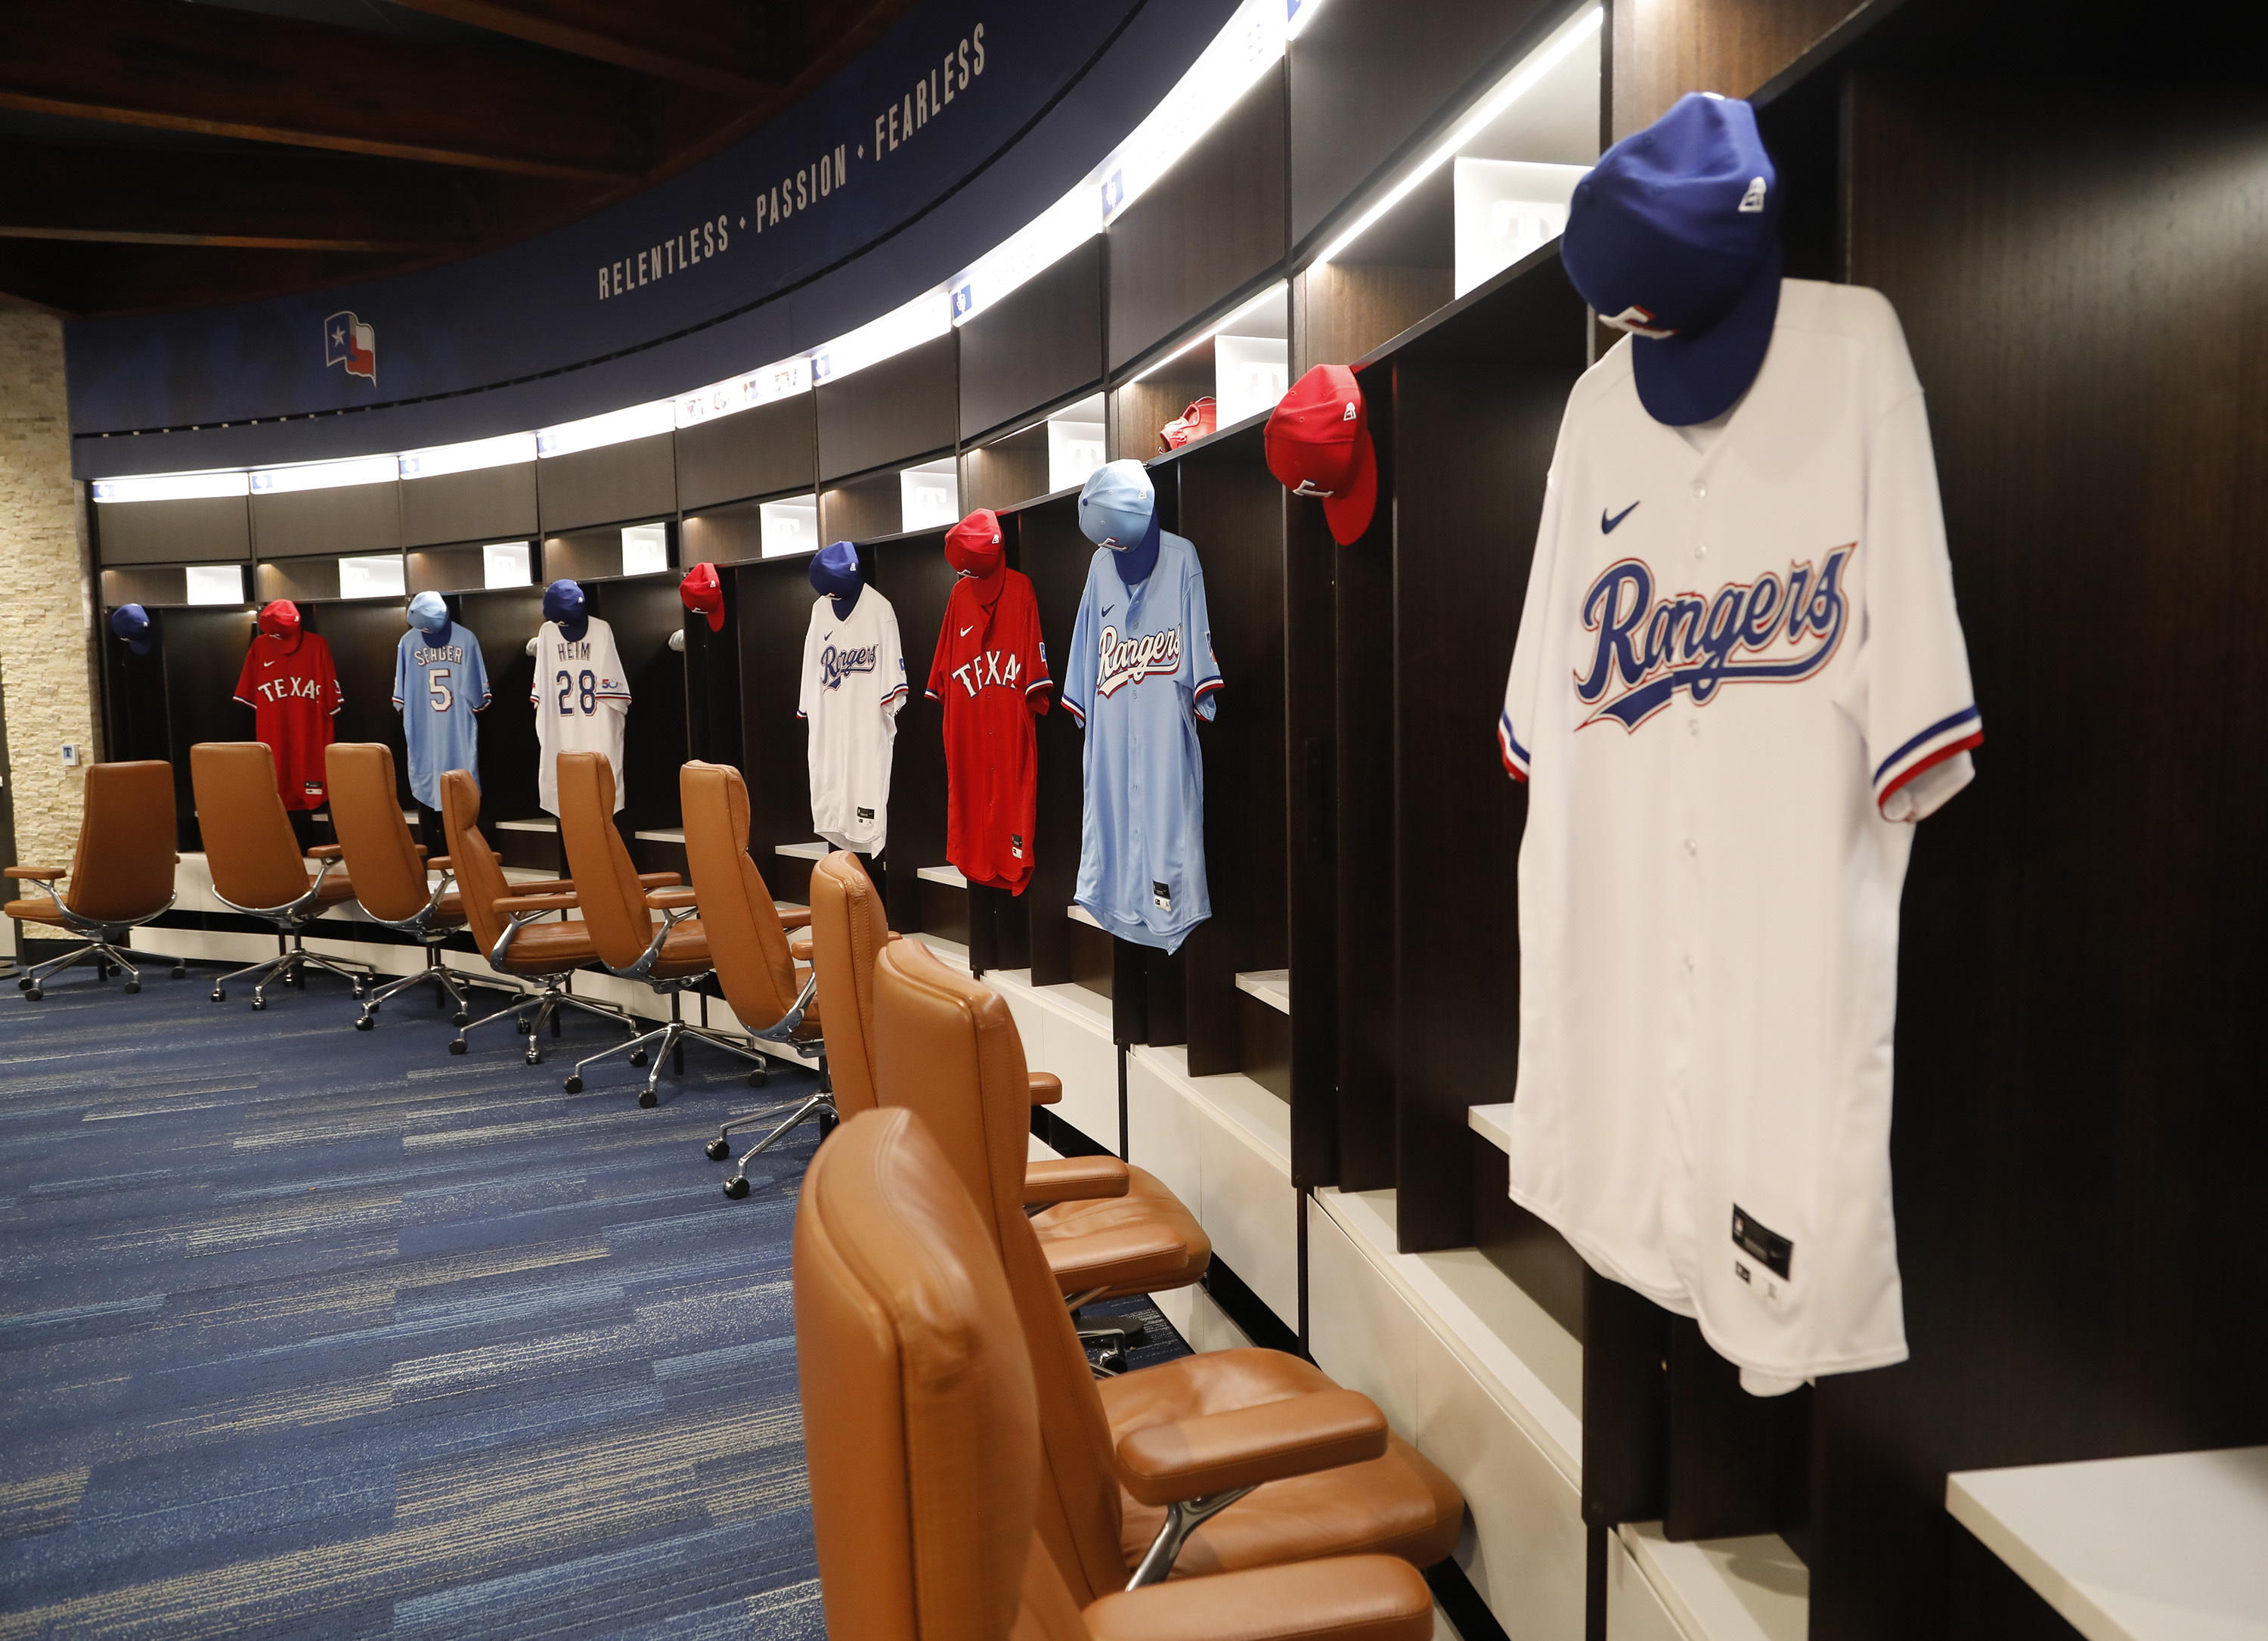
[1606,525]
[826,635]
[965,631]
[1107,609]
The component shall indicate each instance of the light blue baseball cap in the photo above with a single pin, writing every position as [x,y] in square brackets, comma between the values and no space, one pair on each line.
[1118,507]
[429,612]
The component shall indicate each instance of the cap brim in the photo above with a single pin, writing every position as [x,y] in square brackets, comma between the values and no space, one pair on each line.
[1349,516]
[140,647]
[1683,380]
[717,616]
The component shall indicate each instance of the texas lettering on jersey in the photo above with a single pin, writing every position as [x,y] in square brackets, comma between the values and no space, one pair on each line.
[1648,648]
[988,667]
[834,665]
[287,689]
[1154,654]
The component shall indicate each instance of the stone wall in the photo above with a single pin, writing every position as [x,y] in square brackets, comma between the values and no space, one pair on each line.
[47,678]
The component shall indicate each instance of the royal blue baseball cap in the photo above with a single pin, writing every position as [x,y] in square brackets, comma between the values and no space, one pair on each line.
[562,601]
[1674,237]
[835,570]
[429,612]
[1118,507]
[130,623]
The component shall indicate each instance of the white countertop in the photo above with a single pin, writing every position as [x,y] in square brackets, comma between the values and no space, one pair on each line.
[666,835]
[544,824]
[1492,1123]
[803,850]
[2169,1547]
[1080,914]
[1272,986]
[951,877]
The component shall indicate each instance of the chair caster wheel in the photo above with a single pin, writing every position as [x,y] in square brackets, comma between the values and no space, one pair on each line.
[180,972]
[460,1019]
[718,1150]
[648,1099]
[573,1085]
[535,1059]
[258,1001]
[364,1023]
[519,1023]
[757,1079]
[1112,1361]
[34,994]
[24,985]
[219,996]
[132,987]
[737,1187]
[457,1047]
[638,1058]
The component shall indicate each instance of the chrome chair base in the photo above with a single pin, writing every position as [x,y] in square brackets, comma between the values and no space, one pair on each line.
[106,957]
[668,1041]
[547,1001]
[819,1108]
[454,983]
[290,967]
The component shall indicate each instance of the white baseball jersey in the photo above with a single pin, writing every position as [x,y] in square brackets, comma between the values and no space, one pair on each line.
[1738,673]
[581,697]
[854,682]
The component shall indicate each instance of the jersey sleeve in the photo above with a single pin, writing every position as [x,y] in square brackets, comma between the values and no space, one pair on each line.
[613,682]
[535,684]
[1920,708]
[889,664]
[245,682]
[1516,725]
[806,699]
[1080,661]
[334,697]
[1039,680]
[476,672]
[936,687]
[401,673]
[1200,669]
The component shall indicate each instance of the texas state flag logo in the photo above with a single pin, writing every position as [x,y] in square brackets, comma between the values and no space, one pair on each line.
[348,341]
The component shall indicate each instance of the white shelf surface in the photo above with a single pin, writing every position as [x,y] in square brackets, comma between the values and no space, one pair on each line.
[1080,914]
[2170,1547]
[1749,1589]
[814,851]
[1492,1123]
[951,877]
[662,834]
[1272,986]
[542,824]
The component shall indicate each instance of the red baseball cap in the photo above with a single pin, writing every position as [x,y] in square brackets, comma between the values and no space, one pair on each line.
[280,619]
[1318,442]
[703,595]
[973,546]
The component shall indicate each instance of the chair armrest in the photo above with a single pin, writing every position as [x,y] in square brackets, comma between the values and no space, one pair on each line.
[439,863]
[668,899]
[326,852]
[43,874]
[1348,1598]
[796,917]
[1073,1179]
[1046,1088]
[420,848]
[545,886]
[1219,1452]
[512,904]
[659,880]
[799,946]
[1121,1256]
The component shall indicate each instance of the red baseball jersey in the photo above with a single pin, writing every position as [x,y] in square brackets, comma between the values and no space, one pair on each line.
[293,691]
[992,674]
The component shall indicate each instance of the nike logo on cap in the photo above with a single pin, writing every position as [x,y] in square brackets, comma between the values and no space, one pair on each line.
[1606,525]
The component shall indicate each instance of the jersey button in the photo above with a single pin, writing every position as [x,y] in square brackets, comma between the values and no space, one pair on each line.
[1693,726]
[1692,848]
[1700,550]
[1700,489]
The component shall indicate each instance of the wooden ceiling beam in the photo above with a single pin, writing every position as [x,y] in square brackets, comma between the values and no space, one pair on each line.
[267,199]
[719,45]
[230,73]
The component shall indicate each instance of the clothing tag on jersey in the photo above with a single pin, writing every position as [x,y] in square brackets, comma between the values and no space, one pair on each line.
[313,788]
[1163,896]
[1774,1251]
[865,814]
[1016,843]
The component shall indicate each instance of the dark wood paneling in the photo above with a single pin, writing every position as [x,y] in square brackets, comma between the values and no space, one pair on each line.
[2078,1122]
[713,681]
[364,636]
[912,573]
[1476,414]
[204,654]
[462,568]
[1051,550]
[1311,885]
[1232,509]
[302,580]
[350,519]
[728,535]
[1661,52]
[1344,311]
[150,585]
[1367,79]
[772,613]
[1140,409]
[134,705]
[1991,1603]
[1010,470]
[1264,1033]
[636,479]
[489,504]
[906,406]
[1737,1464]
[765,451]
[202,530]
[504,621]
[1040,343]
[1537,1258]
[862,510]
[1363,871]
[1626,1404]
[1210,226]
[644,611]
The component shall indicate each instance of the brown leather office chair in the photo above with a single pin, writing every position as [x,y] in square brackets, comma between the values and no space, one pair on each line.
[747,938]
[506,921]
[257,867]
[618,904]
[945,1047]
[1102,1211]
[122,876]
[390,872]
[920,1417]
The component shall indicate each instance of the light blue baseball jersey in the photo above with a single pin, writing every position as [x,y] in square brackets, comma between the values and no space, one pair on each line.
[1140,674]
[439,684]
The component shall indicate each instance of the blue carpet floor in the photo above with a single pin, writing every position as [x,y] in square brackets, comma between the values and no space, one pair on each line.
[305,1331]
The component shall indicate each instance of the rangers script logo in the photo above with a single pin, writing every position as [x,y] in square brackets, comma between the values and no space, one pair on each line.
[834,665]
[1157,655]
[1649,649]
